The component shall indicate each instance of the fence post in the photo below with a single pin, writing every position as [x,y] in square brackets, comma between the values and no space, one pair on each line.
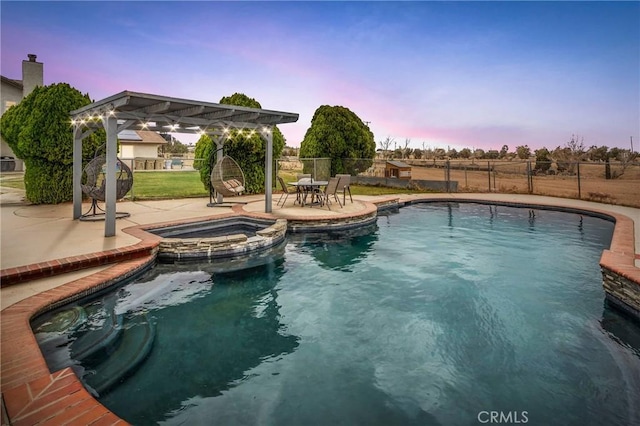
[447,175]
[494,173]
[579,189]
[466,184]
[489,173]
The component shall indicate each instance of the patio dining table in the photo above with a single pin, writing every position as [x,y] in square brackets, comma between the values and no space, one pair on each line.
[304,188]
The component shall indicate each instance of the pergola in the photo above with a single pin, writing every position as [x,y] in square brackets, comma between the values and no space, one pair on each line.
[161,113]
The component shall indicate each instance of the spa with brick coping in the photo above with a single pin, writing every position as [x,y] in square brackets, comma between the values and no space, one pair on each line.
[33,395]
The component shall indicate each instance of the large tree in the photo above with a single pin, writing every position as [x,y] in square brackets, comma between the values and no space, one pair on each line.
[338,133]
[246,146]
[39,131]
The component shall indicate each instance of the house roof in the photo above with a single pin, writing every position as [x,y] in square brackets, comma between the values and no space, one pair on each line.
[15,83]
[399,164]
[166,114]
[140,137]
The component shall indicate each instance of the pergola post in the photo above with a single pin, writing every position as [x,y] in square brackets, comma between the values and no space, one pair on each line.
[219,154]
[268,170]
[111,126]
[77,171]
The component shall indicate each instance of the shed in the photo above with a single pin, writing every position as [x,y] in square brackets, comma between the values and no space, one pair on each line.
[139,143]
[398,170]
[139,149]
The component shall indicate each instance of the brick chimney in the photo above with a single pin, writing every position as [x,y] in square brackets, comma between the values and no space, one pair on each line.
[32,74]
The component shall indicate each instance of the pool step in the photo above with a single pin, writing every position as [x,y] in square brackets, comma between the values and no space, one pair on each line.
[53,336]
[134,346]
[98,342]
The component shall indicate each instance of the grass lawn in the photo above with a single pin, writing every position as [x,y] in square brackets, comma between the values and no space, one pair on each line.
[184,184]
[161,184]
[13,181]
[165,184]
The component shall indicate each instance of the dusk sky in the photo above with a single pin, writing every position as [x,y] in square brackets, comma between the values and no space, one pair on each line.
[458,74]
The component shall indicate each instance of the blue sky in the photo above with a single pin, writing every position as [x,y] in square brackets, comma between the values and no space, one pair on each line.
[459,74]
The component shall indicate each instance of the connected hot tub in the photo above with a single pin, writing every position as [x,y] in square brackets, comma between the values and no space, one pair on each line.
[219,238]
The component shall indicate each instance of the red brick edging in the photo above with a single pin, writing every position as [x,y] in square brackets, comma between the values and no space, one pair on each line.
[20,274]
[34,396]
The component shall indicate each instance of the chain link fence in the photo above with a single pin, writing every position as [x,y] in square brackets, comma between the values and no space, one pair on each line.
[610,182]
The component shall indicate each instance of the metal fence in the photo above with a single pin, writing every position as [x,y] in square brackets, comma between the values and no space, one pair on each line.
[614,182]
[160,163]
[611,182]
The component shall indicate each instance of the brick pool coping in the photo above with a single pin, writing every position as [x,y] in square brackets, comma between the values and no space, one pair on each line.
[33,395]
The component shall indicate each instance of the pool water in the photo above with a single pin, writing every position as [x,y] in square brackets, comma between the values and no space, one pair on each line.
[441,315]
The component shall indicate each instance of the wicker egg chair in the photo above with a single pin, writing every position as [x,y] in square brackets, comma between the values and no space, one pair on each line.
[227,178]
[94,185]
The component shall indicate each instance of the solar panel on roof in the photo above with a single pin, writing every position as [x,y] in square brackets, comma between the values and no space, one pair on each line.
[129,135]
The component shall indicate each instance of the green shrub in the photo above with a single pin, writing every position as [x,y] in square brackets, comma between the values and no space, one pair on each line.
[338,133]
[46,182]
[39,131]
[247,148]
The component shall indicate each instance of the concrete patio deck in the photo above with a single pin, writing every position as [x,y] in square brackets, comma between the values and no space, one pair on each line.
[42,238]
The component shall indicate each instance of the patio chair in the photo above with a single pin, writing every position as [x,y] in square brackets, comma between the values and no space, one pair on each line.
[285,192]
[227,177]
[330,190]
[344,186]
[93,185]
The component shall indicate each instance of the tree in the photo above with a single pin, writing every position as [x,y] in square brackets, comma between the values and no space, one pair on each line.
[417,153]
[576,148]
[598,153]
[385,145]
[290,151]
[406,151]
[523,152]
[439,153]
[564,160]
[625,158]
[338,133]
[246,146]
[504,151]
[479,154]
[464,153]
[492,154]
[173,145]
[203,159]
[38,130]
[543,160]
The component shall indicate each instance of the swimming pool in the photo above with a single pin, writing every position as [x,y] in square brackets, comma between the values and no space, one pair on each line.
[443,313]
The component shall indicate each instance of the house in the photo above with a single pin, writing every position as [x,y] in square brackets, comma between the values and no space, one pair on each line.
[11,93]
[397,169]
[139,148]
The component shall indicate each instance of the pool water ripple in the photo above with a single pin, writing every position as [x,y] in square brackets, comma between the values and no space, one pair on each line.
[443,311]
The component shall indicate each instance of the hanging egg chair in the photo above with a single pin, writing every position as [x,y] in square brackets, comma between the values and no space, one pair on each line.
[227,177]
[94,185]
